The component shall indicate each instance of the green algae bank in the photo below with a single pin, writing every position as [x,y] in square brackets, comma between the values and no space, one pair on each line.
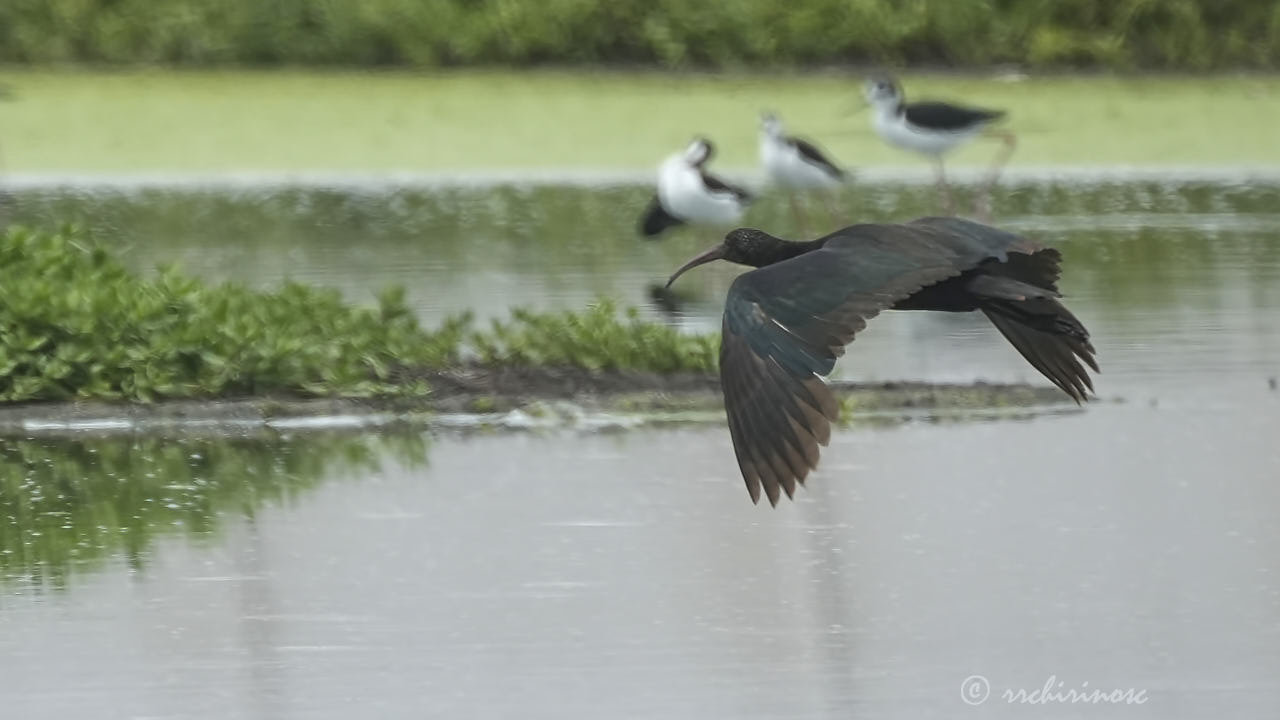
[294,120]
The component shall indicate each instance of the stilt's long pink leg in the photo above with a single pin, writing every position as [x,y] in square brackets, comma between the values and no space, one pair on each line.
[982,203]
[948,206]
[799,213]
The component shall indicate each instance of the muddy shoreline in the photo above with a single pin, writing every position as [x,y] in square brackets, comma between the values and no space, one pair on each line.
[516,398]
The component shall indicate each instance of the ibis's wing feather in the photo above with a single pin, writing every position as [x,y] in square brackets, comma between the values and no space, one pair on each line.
[1019,295]
[786,324]
[1019,257]
[814,156]
[948,117]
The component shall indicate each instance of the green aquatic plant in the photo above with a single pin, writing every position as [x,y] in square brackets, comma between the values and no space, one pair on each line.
[66,505]
[75,323]
[594,339]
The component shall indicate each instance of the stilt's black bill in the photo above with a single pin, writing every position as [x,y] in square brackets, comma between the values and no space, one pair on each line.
[711,255]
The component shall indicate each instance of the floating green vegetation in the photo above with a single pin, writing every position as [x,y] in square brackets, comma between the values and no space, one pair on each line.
[77,324]
[67,505]
[595,339]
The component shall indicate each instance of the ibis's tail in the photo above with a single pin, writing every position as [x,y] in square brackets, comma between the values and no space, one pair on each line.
[1046,333]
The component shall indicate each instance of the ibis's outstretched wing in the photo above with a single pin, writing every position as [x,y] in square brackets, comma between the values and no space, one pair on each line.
[785,324]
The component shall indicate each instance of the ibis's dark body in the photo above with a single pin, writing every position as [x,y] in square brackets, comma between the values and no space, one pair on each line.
[787,322]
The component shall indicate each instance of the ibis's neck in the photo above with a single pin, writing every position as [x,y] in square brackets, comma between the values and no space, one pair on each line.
[786,249]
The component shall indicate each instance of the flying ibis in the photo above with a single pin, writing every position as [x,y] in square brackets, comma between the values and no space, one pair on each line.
[787,321]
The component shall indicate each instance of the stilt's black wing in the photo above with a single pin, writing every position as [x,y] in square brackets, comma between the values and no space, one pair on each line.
[948,117]
[656,219]
[715,184]
[814,156]
[785,324]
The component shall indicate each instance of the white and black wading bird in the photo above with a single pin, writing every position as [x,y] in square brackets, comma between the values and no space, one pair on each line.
[688,194]
[933,129]
[797,165]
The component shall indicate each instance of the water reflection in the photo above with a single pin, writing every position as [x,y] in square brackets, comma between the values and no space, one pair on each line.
[576,576]
[68,504]
[562,246]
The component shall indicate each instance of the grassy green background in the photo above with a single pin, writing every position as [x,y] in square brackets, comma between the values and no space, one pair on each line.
[475,120]
[1117,34]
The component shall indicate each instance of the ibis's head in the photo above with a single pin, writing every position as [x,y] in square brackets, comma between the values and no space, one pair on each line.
[744,246]
[882,91]
[699,152]
[770,124]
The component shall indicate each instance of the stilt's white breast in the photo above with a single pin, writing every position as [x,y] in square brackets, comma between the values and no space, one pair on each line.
[894,129]
[684,195]
[787,168]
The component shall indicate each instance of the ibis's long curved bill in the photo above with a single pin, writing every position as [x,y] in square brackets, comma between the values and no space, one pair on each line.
[711,255]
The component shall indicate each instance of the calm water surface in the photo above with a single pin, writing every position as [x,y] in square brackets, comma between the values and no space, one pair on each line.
[1133,546]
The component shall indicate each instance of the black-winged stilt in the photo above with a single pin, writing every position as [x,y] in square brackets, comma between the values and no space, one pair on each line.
[796,164]
[687,193]
[931,128]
